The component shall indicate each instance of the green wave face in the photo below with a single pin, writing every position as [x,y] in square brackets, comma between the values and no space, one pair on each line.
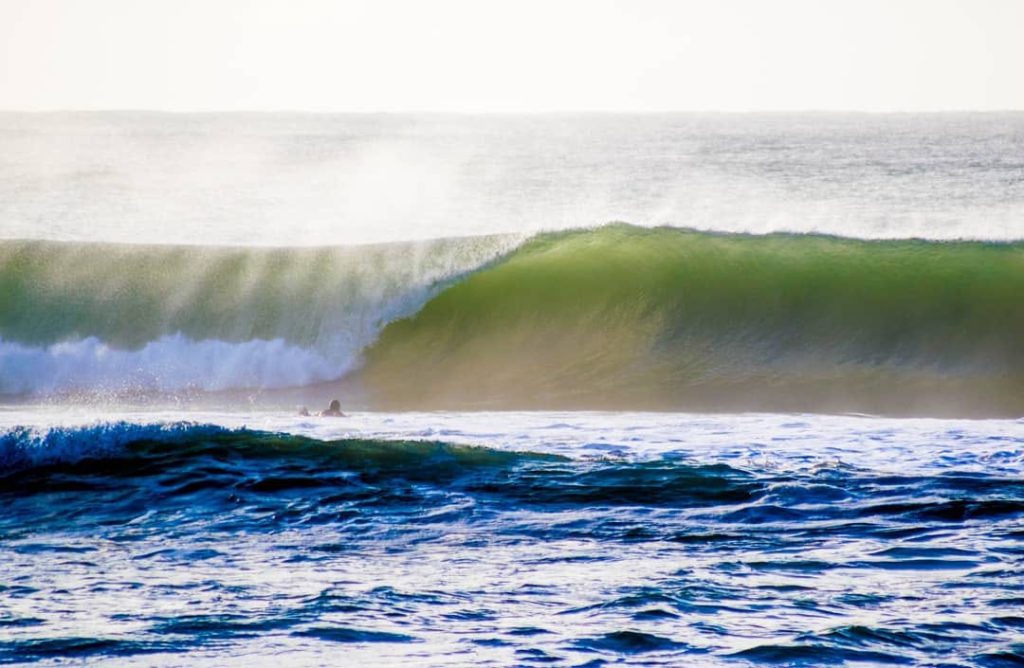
[625,317]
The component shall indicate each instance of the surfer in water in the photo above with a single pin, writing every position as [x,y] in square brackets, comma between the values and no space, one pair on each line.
[333,410]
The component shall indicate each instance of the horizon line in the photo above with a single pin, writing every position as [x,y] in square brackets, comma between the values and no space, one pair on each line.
[495,112]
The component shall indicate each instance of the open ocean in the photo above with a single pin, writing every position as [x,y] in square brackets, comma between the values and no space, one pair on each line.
[664,389]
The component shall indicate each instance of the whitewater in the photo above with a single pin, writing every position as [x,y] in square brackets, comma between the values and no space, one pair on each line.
[659,389]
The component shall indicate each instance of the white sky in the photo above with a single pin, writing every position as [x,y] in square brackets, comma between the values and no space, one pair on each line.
[521,55]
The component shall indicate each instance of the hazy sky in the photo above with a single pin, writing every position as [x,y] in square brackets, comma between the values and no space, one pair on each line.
[522,55]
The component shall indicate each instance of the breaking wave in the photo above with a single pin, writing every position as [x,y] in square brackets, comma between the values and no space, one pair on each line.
[81,317]
[613,317]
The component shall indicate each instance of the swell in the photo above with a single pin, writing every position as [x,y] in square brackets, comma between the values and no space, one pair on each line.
[626,317]
[196,464]
[126,449]
[165,460]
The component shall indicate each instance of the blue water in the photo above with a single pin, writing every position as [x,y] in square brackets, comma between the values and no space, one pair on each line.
[557,539]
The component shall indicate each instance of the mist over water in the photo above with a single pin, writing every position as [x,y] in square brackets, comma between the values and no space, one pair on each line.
[308,179]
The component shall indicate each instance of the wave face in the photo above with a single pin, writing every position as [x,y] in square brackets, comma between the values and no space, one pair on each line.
[83,318]
[663,318]
[392,551]
[617,317]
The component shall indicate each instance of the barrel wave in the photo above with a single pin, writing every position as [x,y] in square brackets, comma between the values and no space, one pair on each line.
[628,317]
[615,317]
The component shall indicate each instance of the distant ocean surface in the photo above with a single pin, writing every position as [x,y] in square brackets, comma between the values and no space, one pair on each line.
[665,389]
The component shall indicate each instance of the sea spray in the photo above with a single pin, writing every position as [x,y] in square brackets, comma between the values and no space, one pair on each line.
[81,317]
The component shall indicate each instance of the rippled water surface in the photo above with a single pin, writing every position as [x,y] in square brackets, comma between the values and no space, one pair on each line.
[511,539]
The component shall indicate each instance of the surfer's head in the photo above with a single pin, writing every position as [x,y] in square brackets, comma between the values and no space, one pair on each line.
[335,406]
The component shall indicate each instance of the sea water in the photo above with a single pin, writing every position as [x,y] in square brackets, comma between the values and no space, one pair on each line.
[769,416]
[576,538]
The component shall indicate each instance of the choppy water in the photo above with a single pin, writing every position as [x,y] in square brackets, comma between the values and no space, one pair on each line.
[512,539]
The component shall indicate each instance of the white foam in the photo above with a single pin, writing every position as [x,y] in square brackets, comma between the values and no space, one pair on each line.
[170,363]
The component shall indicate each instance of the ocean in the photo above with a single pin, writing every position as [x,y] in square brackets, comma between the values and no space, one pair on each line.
[653,389]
